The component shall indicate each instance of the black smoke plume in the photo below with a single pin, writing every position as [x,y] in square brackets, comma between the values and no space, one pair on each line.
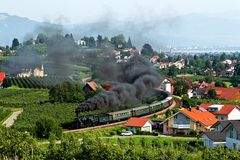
[137,78]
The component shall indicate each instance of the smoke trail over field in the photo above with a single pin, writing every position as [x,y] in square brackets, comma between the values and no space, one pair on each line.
[137,79]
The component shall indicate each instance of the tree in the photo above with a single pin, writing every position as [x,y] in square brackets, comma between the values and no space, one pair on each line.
[99,41]
[41,38]
[92,42]
[147,49]
[235,81]
[180,87]
[129,43]
[118,41]
[172,71]
[212,94]
[46,126]
[237,70]
[208,64]
[208,79]
[223,56]
[220,84]
[15,43]
[66,92]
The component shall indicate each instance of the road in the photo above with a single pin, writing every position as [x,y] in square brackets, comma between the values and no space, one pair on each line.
[9,122]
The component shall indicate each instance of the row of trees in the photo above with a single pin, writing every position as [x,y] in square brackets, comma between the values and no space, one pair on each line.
[70,93]
[18,145]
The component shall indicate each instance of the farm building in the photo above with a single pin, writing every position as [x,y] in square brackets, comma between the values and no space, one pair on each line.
[142,124]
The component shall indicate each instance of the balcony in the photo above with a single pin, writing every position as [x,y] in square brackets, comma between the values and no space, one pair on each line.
[181,126]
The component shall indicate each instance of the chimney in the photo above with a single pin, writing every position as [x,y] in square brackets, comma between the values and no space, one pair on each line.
[190,108]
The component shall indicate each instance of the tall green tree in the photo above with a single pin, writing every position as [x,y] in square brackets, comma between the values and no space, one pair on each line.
[180,87]
[99,41]
[15,43]
[147,49]
[41,38]
[212,94]
[129,43]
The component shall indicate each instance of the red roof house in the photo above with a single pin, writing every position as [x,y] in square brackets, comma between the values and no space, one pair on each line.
[186,120]
[143,124]
[223,111]
[228,93]
[2,77]
[90,86]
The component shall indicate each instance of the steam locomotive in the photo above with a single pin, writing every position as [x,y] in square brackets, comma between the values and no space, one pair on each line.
[94,120]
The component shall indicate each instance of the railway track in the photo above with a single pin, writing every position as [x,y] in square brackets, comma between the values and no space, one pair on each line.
[174,105]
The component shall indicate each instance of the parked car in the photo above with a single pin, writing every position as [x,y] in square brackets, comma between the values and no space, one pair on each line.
[127,133]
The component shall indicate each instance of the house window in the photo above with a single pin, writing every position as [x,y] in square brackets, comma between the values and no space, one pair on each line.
[231,133]
[221,118]
[175,117]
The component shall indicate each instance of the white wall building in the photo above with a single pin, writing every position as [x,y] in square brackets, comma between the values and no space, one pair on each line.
[223,112]
[142,124]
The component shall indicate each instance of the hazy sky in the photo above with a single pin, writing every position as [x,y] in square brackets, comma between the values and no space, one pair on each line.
[78,11]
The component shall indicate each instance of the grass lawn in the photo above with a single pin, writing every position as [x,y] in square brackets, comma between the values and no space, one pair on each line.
[186,75]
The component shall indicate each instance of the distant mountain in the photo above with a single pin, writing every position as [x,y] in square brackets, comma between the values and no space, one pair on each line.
[14,26]
[185,30]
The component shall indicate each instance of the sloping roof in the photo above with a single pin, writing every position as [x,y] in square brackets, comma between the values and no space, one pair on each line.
[235,124]
[216,136]
[227,93]
[225,110]
[136,122]
[204,117]
[204,105]
[171,80]
[2,76]
[93,85]
[222,123]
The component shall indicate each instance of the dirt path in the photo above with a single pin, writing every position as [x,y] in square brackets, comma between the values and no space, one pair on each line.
[9,122]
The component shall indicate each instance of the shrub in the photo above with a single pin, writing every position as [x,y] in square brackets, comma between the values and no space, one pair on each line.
[46,126]
[155,133]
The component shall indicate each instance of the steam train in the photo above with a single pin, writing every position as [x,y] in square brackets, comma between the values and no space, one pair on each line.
[94,120]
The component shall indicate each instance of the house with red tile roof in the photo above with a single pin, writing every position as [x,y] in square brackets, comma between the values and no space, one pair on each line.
[203,84]
[143,124]
[2,77]
[186,120]
[90,86]
[223,111]
[227,93]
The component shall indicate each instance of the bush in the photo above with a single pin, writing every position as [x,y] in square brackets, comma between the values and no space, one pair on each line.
[155,133]
[46,126]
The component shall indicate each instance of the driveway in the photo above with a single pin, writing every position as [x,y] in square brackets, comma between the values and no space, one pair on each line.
[9,122]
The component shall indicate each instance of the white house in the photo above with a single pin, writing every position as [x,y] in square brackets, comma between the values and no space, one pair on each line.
[143,124]
[232,133]
[214,139]
[167,85]
[223,112]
